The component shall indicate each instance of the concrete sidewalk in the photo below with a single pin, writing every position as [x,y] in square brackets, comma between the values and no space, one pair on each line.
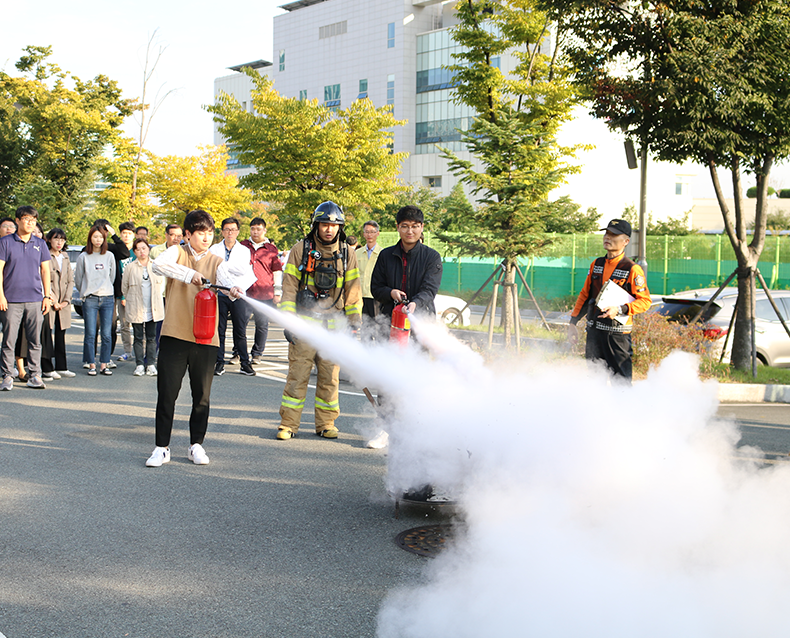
[753,393]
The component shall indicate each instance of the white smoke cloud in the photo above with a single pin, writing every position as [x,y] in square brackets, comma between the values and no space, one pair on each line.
[585,509]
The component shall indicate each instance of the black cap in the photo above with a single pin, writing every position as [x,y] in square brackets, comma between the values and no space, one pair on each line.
[619,227]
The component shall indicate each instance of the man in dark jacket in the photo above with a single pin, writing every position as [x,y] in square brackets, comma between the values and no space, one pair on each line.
[409,270]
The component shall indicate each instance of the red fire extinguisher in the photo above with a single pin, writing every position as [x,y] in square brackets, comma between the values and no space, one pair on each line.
[400,326]
[204,326]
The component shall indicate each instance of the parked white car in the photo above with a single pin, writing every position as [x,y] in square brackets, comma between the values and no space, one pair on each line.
[448,310]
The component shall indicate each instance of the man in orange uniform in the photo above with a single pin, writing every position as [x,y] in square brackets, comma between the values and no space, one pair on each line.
[607,338]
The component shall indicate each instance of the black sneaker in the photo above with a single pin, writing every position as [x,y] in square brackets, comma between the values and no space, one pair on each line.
[219,369]
[246,368]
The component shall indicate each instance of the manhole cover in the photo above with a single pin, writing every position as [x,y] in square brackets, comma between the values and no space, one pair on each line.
[427,540]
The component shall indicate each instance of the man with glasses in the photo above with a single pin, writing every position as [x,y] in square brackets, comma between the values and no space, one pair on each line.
[409,270]
[24,294]
[173,237]
[238,258]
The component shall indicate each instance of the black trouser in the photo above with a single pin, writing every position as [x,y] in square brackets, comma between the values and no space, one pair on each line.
[240,315]
[47,346]
[370,307]
[176,358]
[60,345]
[144,344]
[612,347]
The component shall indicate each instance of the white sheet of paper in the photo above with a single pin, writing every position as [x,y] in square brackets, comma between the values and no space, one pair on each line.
[613,295]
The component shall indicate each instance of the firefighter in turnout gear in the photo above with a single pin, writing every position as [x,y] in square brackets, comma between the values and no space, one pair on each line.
[321,284]
[608,338]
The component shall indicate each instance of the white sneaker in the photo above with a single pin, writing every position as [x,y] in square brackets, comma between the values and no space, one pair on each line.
[86,365]
[66,373]
[160,455]
[378,442]
[111,364]
[139,371]
[151,370]
[197,454]
[50,375]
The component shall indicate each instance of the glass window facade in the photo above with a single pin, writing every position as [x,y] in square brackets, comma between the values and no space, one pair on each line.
[282,59]
[391,90]
[363,89]
[391,35]
[438,120]
[332,97]
[302,95]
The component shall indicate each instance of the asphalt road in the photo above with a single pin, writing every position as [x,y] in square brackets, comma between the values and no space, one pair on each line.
[763,425]
[273,538]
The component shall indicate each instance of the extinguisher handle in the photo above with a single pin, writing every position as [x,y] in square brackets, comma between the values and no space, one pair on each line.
[208,284]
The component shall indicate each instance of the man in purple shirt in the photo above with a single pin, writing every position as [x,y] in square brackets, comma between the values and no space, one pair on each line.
[24,294]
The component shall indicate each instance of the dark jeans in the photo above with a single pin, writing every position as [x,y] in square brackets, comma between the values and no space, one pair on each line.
[144,342]
[240,315]
[176,358]
[612,347]
[261,328]
[103,307]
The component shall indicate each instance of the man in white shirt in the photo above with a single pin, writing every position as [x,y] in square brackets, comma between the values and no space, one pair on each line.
[238,257]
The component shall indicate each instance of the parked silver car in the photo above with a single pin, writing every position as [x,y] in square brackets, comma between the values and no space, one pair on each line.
[773,343]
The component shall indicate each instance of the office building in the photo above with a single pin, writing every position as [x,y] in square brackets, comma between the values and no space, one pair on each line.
[390,51]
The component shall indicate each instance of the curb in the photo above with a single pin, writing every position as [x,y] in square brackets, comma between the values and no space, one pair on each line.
[753,393]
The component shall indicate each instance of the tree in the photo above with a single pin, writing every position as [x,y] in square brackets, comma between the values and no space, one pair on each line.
[677,226]
[775,221]
[53,127]
[567,218]
[182,184]
[305,154]
[456,214]
[151,62]
[705,81]
[513,134]
[420,196]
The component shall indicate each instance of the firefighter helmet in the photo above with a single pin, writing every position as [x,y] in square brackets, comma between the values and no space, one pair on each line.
[328,213]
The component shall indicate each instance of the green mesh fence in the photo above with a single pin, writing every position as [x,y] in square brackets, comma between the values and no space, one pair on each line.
[673,264]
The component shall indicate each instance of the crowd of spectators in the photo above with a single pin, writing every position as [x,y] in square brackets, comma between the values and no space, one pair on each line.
[148,294]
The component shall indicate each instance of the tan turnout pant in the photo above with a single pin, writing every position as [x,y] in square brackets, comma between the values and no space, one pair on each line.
[301,358]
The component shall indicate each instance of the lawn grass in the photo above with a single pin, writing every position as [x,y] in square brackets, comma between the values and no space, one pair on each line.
[528,329]
[765,374]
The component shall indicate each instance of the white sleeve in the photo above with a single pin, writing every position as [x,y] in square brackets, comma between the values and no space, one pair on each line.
[167,266]
[237,271]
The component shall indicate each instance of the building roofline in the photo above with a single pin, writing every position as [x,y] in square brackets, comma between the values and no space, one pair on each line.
[300,4]
[258,64]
